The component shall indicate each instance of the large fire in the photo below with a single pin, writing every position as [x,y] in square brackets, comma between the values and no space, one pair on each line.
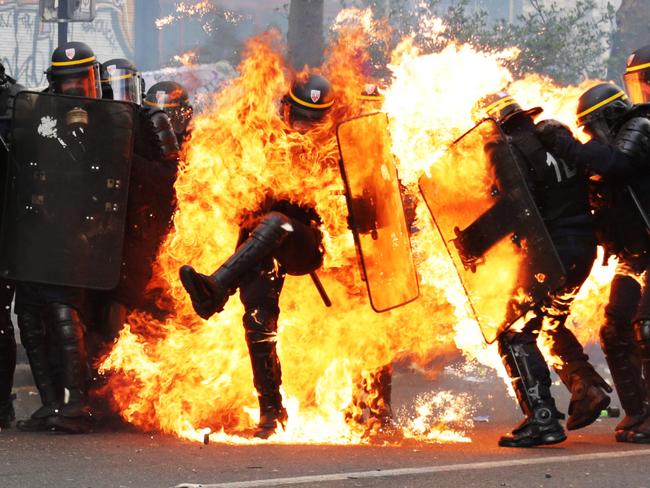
[191,377]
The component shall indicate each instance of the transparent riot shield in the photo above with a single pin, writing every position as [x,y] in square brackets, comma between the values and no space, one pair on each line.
[376,213]
[492,228]
[67,187]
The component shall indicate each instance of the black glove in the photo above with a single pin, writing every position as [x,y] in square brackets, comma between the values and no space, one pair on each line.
[555,136]
[549,130]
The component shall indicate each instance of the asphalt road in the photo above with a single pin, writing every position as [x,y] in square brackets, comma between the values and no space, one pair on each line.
[589,458]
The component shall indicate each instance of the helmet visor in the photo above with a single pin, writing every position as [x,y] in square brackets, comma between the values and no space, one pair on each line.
[78,82]
[126,85]
[637,85]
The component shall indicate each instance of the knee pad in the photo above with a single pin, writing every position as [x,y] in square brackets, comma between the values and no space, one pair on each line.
[613,336]
[624,296]
[642,337]
[65,323]
[32,329]
[261,326]
[273,229]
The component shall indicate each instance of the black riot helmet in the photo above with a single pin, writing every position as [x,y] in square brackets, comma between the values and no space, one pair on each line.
[371,98]
[637,75]
[309,98]
[120,77]
[599,108]
[371,93]
[502,107]
[74,71]
[173,99]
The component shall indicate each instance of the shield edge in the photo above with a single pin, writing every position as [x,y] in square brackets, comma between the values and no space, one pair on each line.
[6,184]
[467,295]
[357,243]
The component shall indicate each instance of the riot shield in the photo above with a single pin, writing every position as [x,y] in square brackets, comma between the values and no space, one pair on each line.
[67,185]
[376,213]
[492,229]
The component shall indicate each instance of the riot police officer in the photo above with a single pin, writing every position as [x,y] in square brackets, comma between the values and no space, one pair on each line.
[617,154]
[172,98]
[637,75]
[52,312]
[280,237]
[561,194]
[151,198]
[8,90]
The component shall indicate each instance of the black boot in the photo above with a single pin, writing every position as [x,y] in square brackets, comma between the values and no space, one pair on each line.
[587,387]
[7,368]
[540,428]
[641,434]
[620,352]
[531,381]
[39,421]
[588,399]
[261,328]
[73,415]
[272,413]
[33,337]
[209,294]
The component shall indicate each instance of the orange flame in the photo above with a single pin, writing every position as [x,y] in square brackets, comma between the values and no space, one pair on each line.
[191,377]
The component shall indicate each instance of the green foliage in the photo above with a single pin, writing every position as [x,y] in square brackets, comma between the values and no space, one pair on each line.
[567,44]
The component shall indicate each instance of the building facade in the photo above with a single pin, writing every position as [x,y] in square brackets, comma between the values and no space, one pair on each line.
[26,43]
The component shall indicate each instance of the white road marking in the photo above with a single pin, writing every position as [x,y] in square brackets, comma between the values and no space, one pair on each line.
[391,473]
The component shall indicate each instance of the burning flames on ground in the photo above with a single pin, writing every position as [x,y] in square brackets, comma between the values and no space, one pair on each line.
[189,377]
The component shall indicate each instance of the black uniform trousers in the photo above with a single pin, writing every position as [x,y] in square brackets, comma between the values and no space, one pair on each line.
[260,290]
[577,253]
[7,342]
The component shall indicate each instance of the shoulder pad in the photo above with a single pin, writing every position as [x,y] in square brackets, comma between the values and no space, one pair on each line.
[633,139]
[161,135]
[14,90]
[8,92]
[639,110]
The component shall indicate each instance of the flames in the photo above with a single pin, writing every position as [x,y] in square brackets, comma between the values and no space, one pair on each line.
[190,377]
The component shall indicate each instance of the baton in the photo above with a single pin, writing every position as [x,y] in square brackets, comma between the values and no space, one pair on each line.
[321,289]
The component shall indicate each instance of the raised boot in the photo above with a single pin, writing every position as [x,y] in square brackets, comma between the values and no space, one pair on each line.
[531,381]
[620,351]
[33,337]
[73,414]
[586,386]
[588,399]
[210,294]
